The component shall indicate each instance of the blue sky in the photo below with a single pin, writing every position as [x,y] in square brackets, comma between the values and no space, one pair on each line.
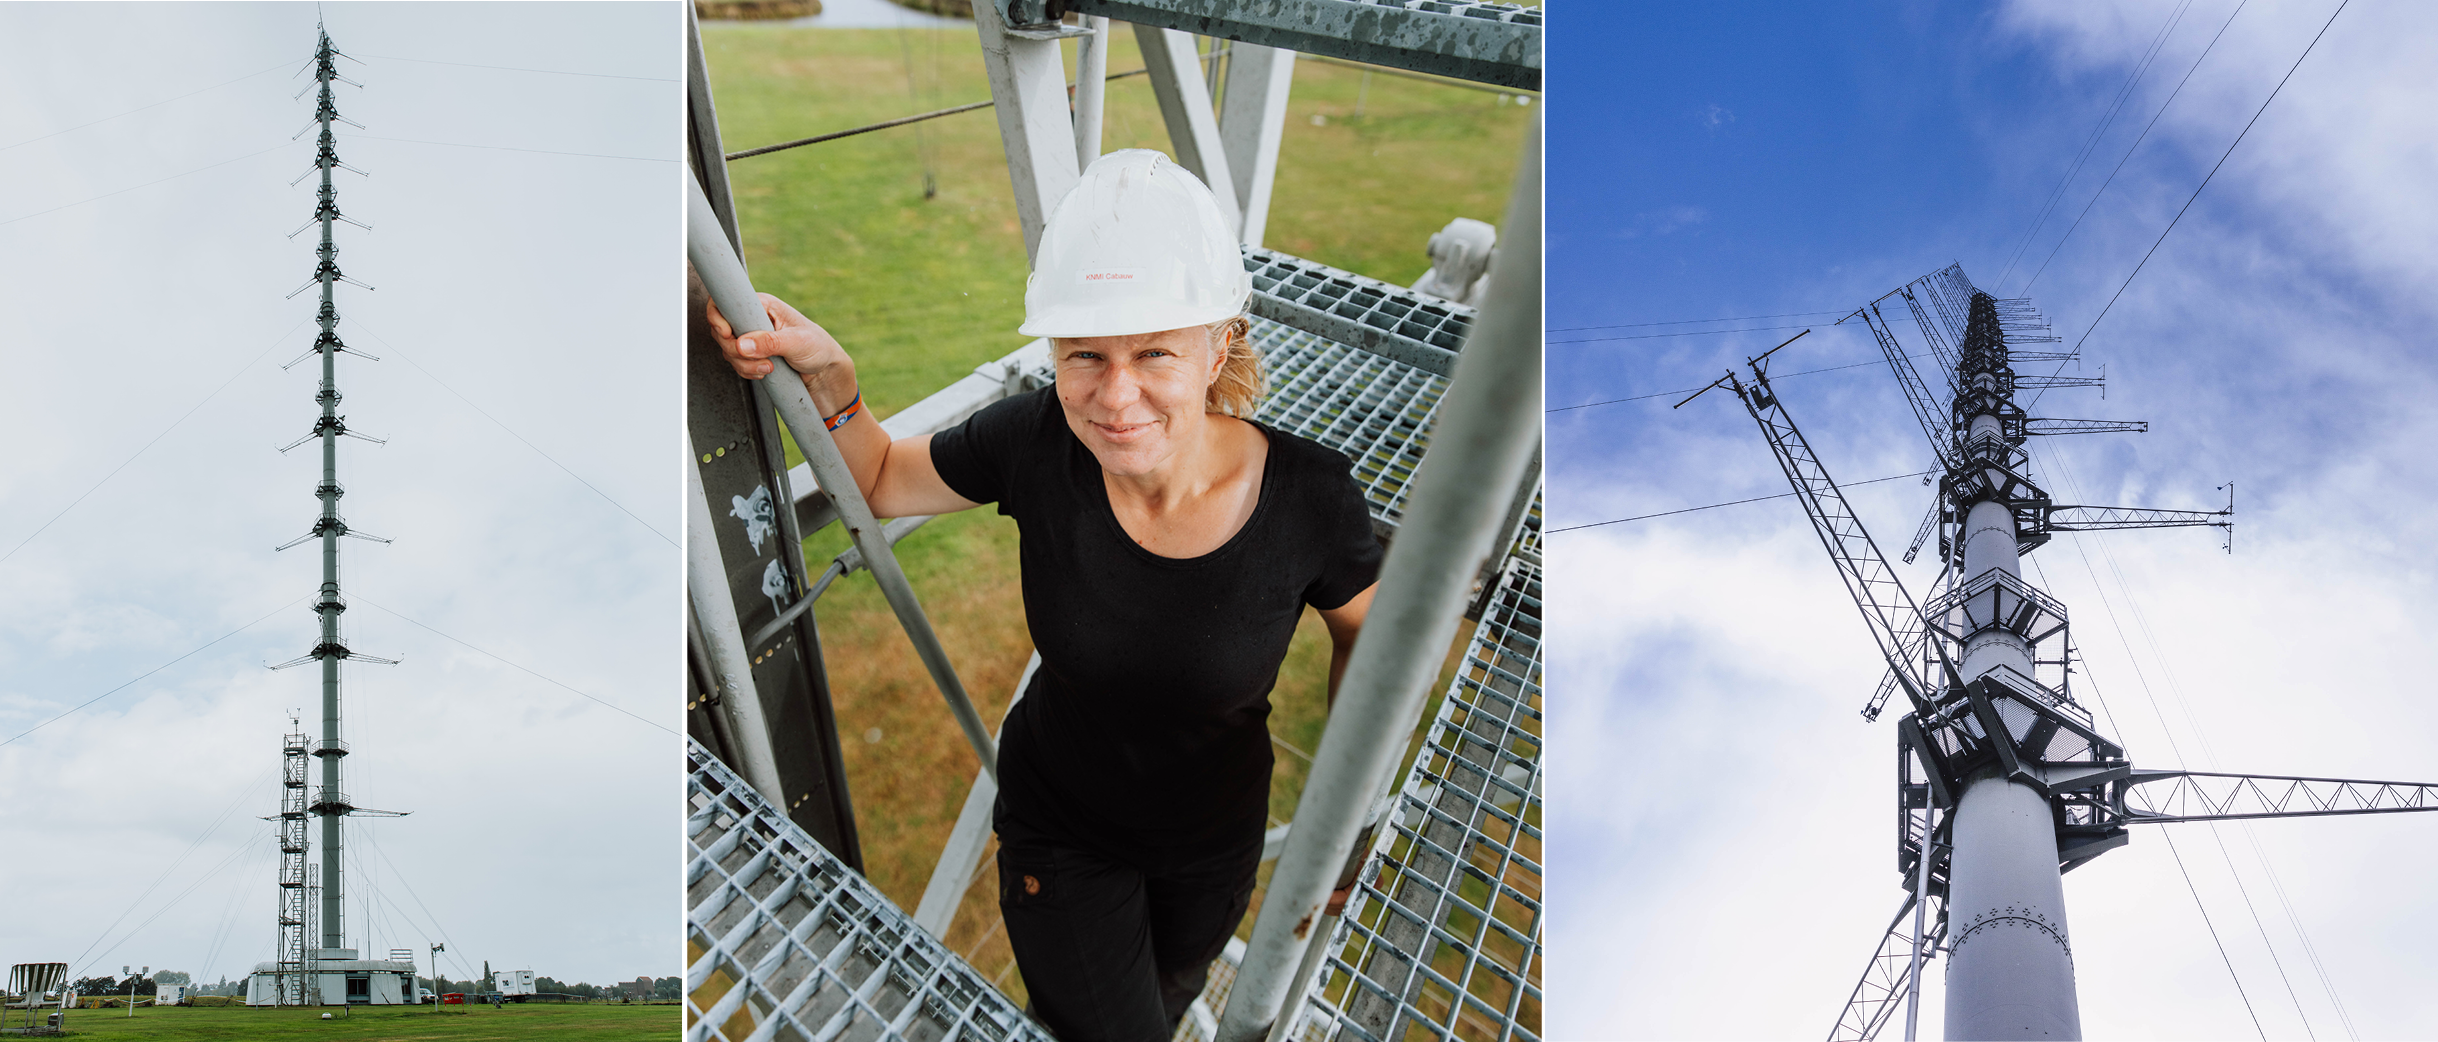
[1729,877]
[146,154]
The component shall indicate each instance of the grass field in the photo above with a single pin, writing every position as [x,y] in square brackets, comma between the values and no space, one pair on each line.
[921,290]
[591,1022]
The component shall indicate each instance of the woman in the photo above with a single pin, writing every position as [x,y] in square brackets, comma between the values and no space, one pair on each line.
[1169,545]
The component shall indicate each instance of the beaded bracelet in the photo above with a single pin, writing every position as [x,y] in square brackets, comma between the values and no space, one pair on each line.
[845,414]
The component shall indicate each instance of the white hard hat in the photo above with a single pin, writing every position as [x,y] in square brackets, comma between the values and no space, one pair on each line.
[1137,247]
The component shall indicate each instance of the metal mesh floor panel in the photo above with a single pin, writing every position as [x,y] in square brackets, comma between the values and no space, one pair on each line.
[1443,940]
[1352,309]
[785,942]
[1377,411]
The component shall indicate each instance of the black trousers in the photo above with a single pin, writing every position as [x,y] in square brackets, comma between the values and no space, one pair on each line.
[1115,952]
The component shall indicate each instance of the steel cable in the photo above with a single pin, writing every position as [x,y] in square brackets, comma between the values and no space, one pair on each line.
[2209,752]
[512,68]
[147,184]
[156,669]
[2129,149]
[2073,489]
[2091,682]
[233,855]
[154,105]
[604,702]
[2123,95]
[156,439]
[486,414]
[1690,321]
[2213,935]
[1690,390]
[1731,503]
[2188,202]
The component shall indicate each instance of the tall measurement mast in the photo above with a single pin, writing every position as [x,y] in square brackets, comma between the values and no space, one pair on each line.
[2016,785]
[330,802]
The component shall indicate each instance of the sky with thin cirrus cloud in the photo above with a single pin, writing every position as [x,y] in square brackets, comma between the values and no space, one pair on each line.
[1722,823]
[523,273]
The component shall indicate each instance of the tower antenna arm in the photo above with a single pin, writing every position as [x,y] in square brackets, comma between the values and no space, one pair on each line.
[1727,379]
[1756,362]
[1893,617]
[2162,797]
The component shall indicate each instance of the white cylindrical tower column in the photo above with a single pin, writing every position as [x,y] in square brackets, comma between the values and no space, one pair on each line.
[2010,968]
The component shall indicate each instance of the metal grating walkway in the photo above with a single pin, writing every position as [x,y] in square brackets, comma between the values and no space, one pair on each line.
[784,942]
[1376,411]
[1383,318]
[1443,939]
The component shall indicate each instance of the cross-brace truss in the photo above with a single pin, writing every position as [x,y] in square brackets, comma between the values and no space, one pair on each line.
[2071,518]
[2160,797]
[1890,613]
[2046,426]
[1887,980]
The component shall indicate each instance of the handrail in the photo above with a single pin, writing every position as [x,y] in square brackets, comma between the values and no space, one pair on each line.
[1489,424]
[723,276]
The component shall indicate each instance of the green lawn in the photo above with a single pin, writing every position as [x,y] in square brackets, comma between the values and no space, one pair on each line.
[921,290]
[592,1022]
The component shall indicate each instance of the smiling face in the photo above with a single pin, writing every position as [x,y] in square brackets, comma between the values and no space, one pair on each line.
[1136,401]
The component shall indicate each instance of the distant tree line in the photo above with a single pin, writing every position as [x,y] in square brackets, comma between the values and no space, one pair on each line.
[663,989]
[108,985]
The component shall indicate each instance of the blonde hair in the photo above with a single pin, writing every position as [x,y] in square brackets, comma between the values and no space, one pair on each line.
[1240,385]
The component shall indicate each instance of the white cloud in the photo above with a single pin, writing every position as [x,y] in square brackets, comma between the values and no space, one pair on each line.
[1722,838]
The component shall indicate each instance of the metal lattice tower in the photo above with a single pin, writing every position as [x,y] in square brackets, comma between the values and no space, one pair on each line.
[329,801]
[295,842]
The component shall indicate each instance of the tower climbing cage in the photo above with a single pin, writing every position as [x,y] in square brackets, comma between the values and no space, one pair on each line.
[787,939]
[296,935]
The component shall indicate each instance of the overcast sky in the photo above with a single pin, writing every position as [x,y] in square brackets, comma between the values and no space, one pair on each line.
[524,265]
[1723,828]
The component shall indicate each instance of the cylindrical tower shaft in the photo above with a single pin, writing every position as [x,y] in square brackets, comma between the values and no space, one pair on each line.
[2010,967]
[333,804]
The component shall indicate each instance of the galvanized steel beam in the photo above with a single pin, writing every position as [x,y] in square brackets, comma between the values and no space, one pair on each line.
[1489,425]
[1485,42]
[1185,105]
[2159,797]
[724,641]
[1091,90]
[1387,320]
[961,857]
[1028,83]
[1252,118]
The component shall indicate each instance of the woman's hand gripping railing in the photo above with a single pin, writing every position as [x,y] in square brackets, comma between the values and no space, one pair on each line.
[724,276]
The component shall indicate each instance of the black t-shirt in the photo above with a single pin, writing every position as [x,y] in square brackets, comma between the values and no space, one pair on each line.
[1145,733]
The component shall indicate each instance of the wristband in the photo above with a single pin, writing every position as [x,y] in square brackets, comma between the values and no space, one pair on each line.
[848,413]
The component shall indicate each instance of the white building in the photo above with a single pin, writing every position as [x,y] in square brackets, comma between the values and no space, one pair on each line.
[512,982]
[341,979]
